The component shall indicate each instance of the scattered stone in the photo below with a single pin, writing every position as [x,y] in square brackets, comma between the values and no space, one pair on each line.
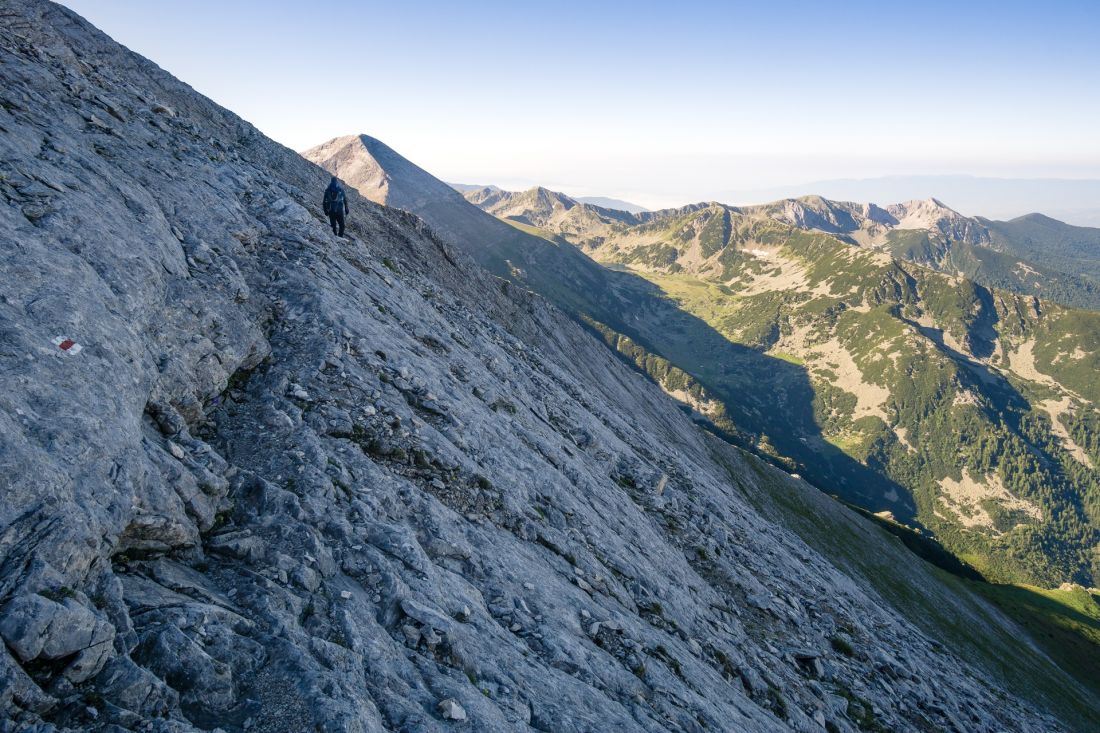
[810,662]
[762,601]
[431,638]
[276,419]
[412,635]
[451,710]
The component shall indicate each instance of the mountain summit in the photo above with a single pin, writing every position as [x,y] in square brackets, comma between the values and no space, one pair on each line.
[379,173]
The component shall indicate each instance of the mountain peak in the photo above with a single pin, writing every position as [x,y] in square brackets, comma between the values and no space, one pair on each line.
[927,204]
[378,171]
[546,194]
[1040,219]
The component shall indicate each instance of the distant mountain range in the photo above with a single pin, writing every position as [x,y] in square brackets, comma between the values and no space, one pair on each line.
[1070,200]
[870,340]
[601,201]
[1032,255]
[610,203]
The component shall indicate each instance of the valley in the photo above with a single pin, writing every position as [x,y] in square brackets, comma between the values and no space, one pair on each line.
[903,389]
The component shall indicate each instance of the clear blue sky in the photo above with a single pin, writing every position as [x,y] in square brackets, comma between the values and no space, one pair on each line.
[663,103]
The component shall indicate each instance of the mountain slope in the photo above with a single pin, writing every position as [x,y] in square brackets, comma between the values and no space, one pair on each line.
[522,252]
[290,482]
[556,270]
[1039,238]
[867,372]
[606,202]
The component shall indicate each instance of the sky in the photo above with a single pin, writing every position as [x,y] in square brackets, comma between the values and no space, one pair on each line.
[658,103]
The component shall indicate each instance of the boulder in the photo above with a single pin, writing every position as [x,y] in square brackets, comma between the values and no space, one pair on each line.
[450,709]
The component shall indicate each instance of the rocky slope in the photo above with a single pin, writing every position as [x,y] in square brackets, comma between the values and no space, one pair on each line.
[557,270]
[523,253]
[289,482]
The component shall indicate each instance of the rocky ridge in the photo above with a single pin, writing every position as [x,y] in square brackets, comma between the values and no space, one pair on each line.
[257,478]
[865,224]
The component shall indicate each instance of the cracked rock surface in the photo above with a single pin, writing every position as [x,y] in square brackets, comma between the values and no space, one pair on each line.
[294,483]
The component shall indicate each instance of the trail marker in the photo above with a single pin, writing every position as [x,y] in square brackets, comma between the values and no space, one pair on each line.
[67,345]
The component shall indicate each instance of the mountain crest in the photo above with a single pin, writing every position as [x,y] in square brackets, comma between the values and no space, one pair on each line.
[379,172]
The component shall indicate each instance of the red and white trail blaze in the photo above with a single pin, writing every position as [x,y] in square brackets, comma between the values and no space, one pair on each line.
[67,344]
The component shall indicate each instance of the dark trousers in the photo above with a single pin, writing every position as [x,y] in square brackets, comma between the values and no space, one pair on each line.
[336,219]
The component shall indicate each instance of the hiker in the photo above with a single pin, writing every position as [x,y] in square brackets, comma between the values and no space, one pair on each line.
[335,205]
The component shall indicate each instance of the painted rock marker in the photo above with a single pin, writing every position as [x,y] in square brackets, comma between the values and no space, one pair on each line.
[67,345]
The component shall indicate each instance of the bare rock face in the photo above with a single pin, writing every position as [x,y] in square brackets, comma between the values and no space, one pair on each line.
[36,628]
[290,483]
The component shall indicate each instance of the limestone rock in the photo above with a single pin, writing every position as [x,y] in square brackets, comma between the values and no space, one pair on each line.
[451,710]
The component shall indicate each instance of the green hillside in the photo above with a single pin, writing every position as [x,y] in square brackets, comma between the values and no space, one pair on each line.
[1012,268]
[1061,247]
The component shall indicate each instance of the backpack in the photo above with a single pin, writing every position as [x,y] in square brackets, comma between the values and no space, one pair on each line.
[334,200]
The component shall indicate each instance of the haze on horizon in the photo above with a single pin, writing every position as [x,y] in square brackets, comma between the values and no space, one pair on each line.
[656,103]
